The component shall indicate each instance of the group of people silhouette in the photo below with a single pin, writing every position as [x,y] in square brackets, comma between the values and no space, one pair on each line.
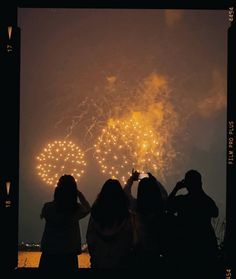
[154,230]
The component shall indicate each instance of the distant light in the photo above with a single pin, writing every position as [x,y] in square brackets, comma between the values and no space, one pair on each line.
[8,185]
[9,30]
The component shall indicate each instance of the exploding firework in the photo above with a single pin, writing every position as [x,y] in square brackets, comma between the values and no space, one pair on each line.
[58,158]
[129,143]
[134,127]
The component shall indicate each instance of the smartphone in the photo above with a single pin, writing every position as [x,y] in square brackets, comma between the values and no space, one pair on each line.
[142,175]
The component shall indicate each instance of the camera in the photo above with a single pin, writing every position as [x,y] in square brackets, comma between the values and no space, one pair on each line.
[142,175]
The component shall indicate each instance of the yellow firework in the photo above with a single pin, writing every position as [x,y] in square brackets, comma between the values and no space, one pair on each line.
[58,158]
[129,143]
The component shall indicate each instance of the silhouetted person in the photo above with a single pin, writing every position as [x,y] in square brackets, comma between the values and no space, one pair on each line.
[194,236]
[61,240]
[135,177]
[109,234]
[150,222]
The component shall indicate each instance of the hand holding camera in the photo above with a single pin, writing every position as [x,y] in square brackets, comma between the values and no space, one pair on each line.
[180,185]
[138,176]
[135,175]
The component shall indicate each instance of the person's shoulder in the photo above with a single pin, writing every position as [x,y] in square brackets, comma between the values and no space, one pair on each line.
[207,198]
[47,208]
[48,205]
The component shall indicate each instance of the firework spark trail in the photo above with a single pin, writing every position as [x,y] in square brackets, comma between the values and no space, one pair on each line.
[75,122]
[93,114]
[142,136]
[128,128]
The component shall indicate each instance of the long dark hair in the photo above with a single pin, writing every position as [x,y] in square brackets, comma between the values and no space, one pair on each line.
[65,194]
[111,206]
[149,199]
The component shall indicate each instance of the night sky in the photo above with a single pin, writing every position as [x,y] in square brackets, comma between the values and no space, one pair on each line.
[88,74]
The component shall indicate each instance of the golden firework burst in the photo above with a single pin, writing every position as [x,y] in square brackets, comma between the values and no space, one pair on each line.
[58,158]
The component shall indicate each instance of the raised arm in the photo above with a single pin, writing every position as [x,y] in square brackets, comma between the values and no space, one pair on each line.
[128,188]
[172,204]
[178,186]
[84,206]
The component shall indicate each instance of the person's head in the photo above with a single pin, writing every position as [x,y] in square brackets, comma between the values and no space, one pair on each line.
[149,199]
[65,194]
[111,205]
[193,181]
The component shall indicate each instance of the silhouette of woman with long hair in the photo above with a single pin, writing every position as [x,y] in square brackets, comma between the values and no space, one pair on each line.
[61,240]
[149,221]
[109,234]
